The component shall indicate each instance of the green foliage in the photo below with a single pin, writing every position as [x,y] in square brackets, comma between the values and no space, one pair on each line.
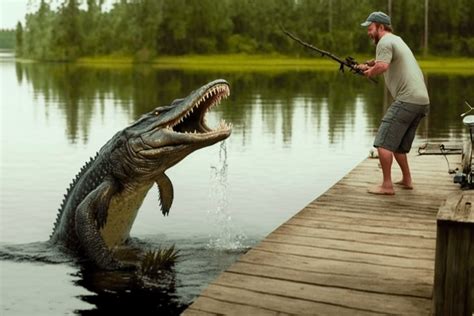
[241,44]
[467,45]
[7,39]
[144,55]
[145,29]
[68,40]
[37,34]
[156,261]
[19,39]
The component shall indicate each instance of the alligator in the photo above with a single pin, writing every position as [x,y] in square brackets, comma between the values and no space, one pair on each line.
[100,206]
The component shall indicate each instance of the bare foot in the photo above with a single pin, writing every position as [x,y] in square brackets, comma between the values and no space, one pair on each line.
[406,186]
[380,191]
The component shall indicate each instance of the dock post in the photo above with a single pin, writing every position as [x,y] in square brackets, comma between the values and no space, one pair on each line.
[453,292]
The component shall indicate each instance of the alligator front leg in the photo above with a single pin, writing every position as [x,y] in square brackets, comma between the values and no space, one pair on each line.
[91,215]
[166,193]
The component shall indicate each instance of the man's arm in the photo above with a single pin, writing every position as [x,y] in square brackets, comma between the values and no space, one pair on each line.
[379,68]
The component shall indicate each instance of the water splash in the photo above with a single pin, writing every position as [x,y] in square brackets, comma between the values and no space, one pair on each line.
[227,236]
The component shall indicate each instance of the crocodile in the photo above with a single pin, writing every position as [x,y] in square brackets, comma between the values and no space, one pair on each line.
[101,204]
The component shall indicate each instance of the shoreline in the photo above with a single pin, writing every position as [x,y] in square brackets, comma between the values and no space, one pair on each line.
[270,62]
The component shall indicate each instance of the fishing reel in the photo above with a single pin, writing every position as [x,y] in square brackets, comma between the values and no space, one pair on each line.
[351,63]
[465,180]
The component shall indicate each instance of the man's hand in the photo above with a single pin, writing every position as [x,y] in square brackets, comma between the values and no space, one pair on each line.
[362,67]
[365,66]
[370,63]
[377,69]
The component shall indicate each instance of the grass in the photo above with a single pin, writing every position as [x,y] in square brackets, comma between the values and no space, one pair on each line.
[271,62]
[461,65]
[234,62]
[155,261]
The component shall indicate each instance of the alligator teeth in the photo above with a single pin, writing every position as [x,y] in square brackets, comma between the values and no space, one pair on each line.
[223,125]
[214,96]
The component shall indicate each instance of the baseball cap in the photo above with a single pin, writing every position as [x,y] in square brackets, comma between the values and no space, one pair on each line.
[377,17]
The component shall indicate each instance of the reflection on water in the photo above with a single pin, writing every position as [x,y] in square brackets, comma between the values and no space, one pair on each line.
[79,90]
[295,134]
[118,293]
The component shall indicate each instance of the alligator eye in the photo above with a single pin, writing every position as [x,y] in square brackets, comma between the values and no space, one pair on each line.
[157,112]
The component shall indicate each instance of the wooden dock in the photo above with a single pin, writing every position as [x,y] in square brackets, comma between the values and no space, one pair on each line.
[346,253]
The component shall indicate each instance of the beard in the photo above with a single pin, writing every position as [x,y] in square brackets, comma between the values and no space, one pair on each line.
[375,38]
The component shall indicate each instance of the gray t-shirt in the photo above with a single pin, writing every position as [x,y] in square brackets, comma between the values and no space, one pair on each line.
[403,77]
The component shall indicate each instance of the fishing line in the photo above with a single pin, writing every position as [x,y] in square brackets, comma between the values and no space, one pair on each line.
[443,152]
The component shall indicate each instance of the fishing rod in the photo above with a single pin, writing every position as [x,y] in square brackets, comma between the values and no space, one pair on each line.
[349,62]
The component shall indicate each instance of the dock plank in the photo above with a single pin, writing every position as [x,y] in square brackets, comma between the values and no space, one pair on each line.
[361,227]
[387,239]
[322,210]
[336,266]
[347,298]
[388,250]
[346,253]
[356,282]
[269,304]
[348,220]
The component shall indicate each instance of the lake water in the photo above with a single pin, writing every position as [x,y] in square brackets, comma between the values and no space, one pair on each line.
[295,134]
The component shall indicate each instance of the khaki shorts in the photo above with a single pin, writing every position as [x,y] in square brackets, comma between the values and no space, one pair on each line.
[398,127]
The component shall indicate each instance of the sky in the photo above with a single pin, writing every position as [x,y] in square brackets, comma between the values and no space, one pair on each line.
[12,11]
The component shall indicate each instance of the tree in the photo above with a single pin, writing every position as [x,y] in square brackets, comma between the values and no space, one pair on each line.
[68,38]
[37,35]
[19,39]
[92,27]
[174,29]
[146,28]
[7,38]
[147,16]
[425,39]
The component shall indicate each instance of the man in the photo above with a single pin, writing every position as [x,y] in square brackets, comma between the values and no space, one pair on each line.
[404,80]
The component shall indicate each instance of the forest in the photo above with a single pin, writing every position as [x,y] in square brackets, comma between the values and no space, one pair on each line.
[146,29]
[7,39]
